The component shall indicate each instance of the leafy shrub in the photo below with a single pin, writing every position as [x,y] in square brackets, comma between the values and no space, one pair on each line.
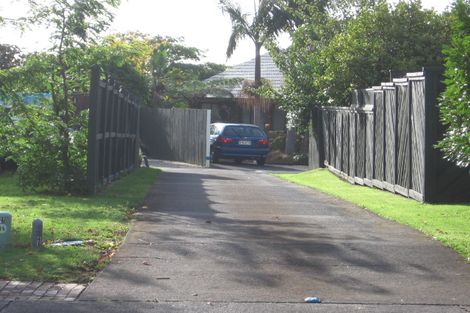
[455,101]
[32,138]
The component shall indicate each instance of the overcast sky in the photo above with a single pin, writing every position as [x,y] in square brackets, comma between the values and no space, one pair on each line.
[201,24]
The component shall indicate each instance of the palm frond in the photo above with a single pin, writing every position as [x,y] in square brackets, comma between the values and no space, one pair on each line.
[269,20]
[272,19]
[234,11]
[240,24]
[237,33]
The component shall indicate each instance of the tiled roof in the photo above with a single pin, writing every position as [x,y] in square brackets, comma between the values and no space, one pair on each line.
[246,71]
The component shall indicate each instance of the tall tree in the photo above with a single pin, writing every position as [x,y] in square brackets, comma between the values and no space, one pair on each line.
[176,80]
[125,57]
[73,23]
[160,71]
[342,45]
[331,56]
[268,20]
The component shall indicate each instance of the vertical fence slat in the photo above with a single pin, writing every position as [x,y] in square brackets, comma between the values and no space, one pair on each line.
[369,157]
[403,135]
[379,134]
[361,148]
[345,146]
[326,134]
[93,126]
[353,144]
[390,137]
[338,140]
[417,136]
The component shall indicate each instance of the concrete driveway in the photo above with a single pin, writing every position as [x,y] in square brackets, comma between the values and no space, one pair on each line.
[236,239]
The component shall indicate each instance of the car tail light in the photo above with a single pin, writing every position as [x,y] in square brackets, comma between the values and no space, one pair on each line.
[263,142]
[224,140]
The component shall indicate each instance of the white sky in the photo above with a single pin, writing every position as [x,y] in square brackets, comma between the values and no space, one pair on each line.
[200,22]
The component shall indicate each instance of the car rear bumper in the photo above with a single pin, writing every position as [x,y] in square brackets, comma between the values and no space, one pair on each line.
[241,153]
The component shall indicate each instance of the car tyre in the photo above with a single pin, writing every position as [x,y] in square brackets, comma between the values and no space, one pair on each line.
[214,157]
[260,161]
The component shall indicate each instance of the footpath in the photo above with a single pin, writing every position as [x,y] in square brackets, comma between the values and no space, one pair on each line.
[32,291]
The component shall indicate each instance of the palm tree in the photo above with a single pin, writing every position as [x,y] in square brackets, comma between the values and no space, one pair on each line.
[267,22]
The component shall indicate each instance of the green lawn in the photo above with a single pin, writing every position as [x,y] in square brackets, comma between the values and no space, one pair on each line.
[448,223]
[102,218]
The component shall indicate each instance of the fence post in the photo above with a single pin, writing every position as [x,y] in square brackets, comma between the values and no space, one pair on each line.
[374,134]
[395,140]
[316,144]
[137,135]
[410,137]
[92,129]
[356,142]
[433,129]
[339,141]
[207,162]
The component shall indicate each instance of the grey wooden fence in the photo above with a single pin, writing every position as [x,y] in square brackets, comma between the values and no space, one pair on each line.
[176,134]
[386,139]
[113,131]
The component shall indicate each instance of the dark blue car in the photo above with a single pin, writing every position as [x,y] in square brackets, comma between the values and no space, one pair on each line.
[239,142]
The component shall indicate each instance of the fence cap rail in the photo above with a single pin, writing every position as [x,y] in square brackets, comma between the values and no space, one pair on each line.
[335,108]
[415,74]
[368,108]
[387,85]
[400,81]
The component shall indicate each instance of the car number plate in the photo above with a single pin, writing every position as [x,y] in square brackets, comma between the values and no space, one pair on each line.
[244,142]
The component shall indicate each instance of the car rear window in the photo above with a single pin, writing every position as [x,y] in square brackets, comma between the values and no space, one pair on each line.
[243,131]
[214,130]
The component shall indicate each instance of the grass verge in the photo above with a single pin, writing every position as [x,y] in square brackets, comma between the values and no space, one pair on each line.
[448,223]
[102,218]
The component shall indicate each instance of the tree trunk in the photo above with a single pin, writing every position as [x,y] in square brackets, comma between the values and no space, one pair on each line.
[258,65]
[258,117]
[65,114]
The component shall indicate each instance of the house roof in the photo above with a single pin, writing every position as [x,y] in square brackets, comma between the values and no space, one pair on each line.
[246,71]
